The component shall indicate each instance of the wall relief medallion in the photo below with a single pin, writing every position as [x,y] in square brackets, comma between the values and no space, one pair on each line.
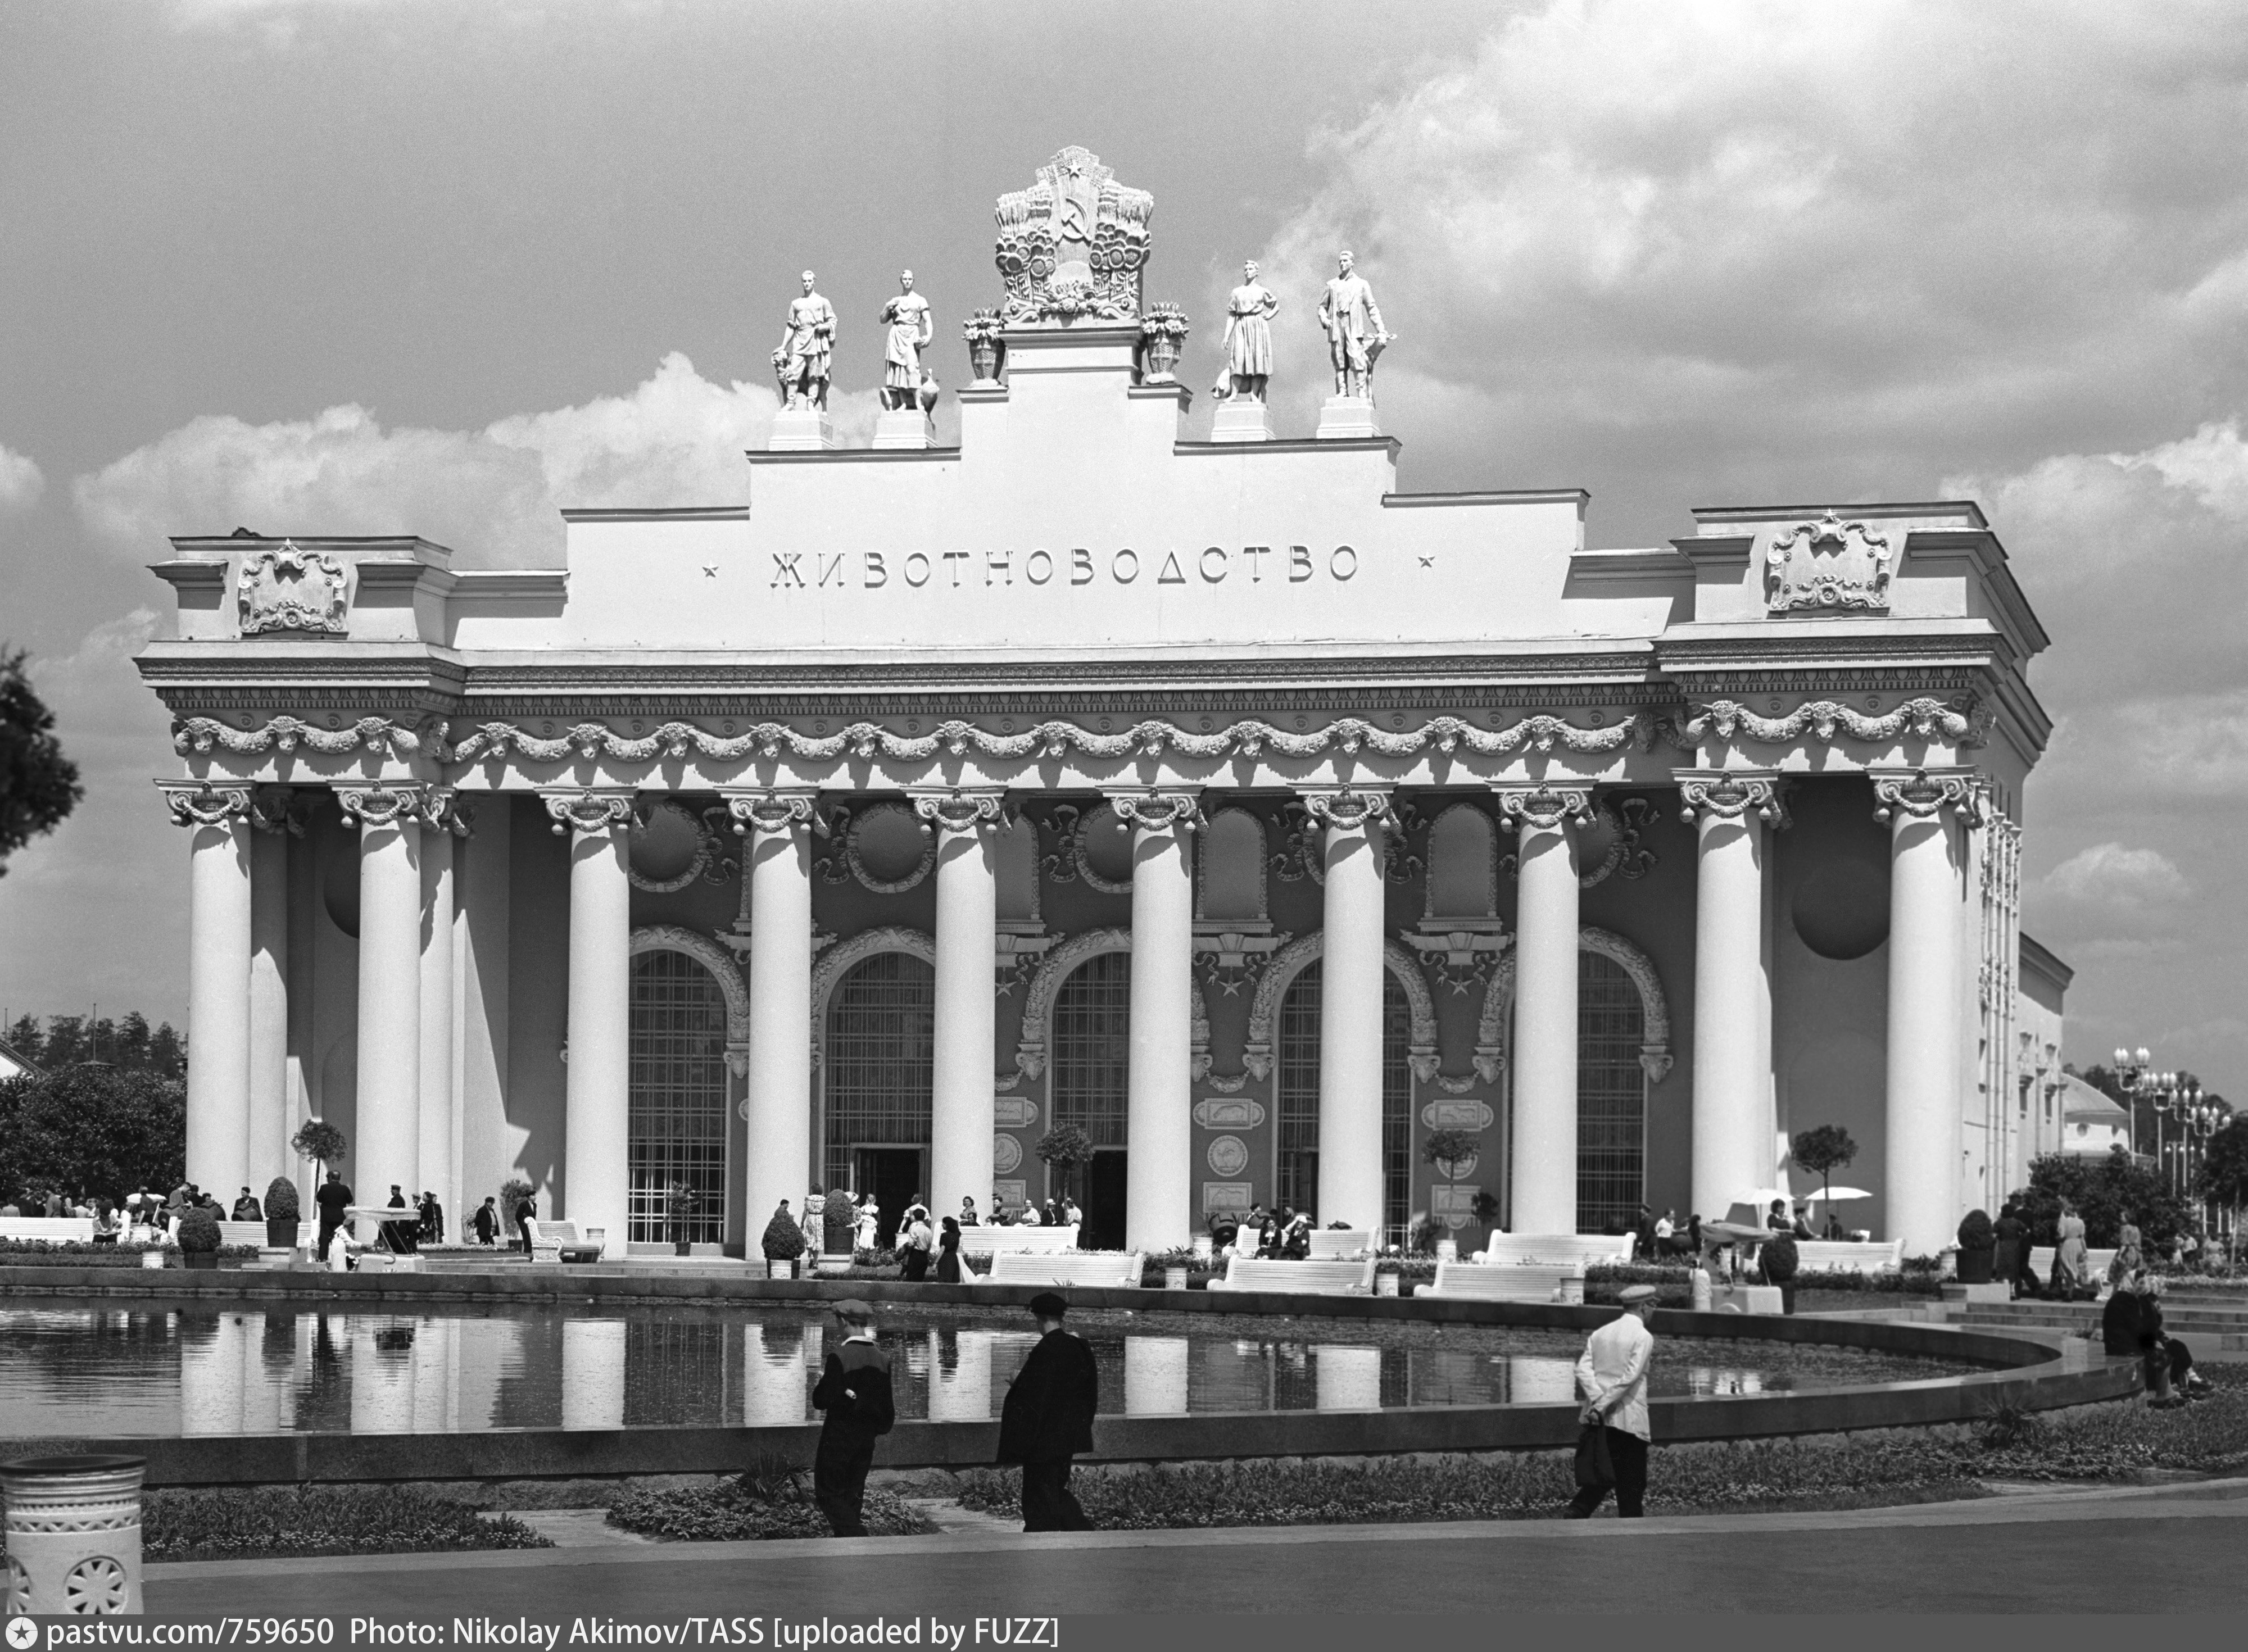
[1015,1112]
[1609,845]
[1826,564]
[671,845]
[290,590]
[1227,1156]
[884,846]
[1070,246]
[1214,1114]
[1006,1153]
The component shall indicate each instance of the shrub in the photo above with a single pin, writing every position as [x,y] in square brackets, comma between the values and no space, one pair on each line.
[320,1142]
[771,1501]
[783,1240]
[1778,1257]
[281,1200]
[1975,1232]
[267,1522]
[199,1231]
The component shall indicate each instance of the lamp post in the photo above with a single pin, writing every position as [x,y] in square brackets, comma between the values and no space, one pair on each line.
[2135,1072]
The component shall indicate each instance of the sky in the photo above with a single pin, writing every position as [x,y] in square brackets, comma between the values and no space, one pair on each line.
[443,266]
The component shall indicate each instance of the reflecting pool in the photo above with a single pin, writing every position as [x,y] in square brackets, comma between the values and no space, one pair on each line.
[159,1368]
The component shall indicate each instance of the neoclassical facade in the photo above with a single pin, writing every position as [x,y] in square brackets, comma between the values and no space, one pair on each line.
[1291,837]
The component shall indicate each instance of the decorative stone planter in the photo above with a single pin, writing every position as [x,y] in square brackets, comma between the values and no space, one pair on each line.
[985,356]
[683,1247]
[778,1269]
[1175,1278]
[200,1259]
[1447,1249]
[152,1259]
[1159,357]
[1385,1285]
[73,1526]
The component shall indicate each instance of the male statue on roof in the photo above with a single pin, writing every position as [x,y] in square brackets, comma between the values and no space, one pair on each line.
[807,346]
[1356,334]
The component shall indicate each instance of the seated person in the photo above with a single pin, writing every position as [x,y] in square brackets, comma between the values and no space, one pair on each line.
[1834,1226]
[1296,1239]
[1776,1219]
[1801,1225]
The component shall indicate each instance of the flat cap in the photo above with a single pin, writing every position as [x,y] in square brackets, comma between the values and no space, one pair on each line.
[1634,1294]
[1049,1305]
[854,1308]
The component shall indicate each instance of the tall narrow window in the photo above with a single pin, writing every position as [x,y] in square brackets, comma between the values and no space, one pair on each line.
[880,1060]
[1611,1096]
[1092,1048]
[1396,1110]
[676,1117]
[1299,1179]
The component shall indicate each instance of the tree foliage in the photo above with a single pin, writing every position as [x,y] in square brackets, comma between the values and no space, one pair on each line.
[127,1042]
[1823,1151]
[95,1131]
[39,785]
[2222,1176]
[320,1142]
[2102,1187]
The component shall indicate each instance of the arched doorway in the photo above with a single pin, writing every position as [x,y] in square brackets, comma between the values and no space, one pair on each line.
[1297,1181]
[880,1056]
[1092,1038]
[676,1120]
[1611,1095]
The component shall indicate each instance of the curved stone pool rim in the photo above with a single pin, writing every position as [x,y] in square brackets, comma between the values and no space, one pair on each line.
[2029,1371]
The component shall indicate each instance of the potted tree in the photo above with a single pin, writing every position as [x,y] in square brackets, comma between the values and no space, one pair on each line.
[282,1213]
[783,1244]
[320,1142]
[1066,1148]
[1779,1258]
[1454,1153]
[679,1203]
[1822,1152]
[1978,1243]
[513,1193]
[199,1238]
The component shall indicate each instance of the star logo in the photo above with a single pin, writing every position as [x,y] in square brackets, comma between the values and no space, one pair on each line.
[21,1634]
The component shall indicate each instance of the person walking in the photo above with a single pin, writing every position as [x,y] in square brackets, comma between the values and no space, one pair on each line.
[433,1219]
[853,1395]
[1047,1419]
[526,1213]
[333,1199]
[486,1221]
[2070,1257]
[947,1253]
[2008,1235]
[1612,1380]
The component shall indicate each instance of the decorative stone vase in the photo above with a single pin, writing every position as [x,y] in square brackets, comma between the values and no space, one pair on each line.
[73,1527]
[1175,1278]
[1159,357]
[983,356]
[1385,1285]
[1447,1249]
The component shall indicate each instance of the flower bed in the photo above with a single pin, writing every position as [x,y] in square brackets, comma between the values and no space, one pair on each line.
[77,1253]
[770,1501]
[269,1523]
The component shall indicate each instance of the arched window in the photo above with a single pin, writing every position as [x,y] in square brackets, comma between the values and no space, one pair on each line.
[881,1064]
[677,1118]
[1092,1048]
[1611,1095]
[1298,1179]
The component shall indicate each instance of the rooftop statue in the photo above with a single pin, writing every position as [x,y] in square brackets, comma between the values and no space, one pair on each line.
[1248,340]
[1071,245]
[911,328]
[807,347]
[1356,333]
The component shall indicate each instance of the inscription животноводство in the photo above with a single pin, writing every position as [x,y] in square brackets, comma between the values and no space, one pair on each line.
[1078,566]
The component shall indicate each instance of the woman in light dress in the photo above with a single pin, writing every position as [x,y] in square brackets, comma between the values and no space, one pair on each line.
[2069,1258]
[1248,341]
[870,1223]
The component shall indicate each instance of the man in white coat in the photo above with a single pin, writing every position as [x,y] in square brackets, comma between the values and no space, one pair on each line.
[1612,1380]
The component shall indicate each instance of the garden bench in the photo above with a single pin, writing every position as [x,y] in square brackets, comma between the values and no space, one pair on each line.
[1319,1278]
[1509,1282]
[56,1230]
[1877,1256]
[1101,1268]
[1337,1245]
[988,1241]
[2096,1262]
[1584,1249]
[553,1241]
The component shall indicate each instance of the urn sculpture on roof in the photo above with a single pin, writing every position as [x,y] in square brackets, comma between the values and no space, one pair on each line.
[1071,245]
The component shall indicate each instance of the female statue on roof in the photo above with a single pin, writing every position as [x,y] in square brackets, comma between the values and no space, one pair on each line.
[911,328]
[1248,340]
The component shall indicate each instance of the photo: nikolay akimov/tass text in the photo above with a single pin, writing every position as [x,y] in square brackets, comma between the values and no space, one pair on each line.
[950,826]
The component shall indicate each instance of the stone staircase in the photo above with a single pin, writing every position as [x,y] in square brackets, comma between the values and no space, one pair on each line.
[2218,1325]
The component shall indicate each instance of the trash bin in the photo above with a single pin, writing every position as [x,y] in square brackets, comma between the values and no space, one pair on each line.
[73,1527]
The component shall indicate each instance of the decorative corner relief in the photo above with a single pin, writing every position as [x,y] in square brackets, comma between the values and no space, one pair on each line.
[290,590]
[1827,563]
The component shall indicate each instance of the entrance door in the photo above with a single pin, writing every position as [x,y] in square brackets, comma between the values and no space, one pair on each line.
[894,1177]
[1104,1202]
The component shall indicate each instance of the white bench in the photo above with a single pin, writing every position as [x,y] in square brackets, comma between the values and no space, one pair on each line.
[1102,1268]
[2096,1262]
[1583,1249]
[983,1240]
[1318,1278]
[558,1242]
[1339,1245]
[1750,1298]
[56,1230]
[1824,1256]
[1509,1282]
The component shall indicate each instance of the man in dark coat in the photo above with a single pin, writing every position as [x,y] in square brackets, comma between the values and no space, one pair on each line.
[333,1199]
[2009,1264]
[1048,1419]
[854,1392]
[487,1221]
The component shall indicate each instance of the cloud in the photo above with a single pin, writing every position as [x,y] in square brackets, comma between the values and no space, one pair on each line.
[20,481]
[2109,874]
[491,495]
[1726,249]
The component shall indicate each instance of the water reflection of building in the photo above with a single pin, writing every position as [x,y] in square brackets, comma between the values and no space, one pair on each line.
[593,1373]
[1155,1375]
[1349,1379]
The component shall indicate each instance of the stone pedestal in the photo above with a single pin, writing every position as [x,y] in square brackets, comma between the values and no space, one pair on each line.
[1342,417]
[73,1536]
[905,429]
[1241,421]
[805,430]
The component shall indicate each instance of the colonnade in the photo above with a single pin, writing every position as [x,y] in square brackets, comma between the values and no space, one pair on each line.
[405,994]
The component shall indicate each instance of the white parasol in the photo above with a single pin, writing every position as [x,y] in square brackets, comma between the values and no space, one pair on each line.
[1838,1194]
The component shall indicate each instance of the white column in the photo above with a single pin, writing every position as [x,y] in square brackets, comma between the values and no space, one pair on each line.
[218,979]
[389,1145]
[596,1138]
[1159,1203]
[1732,997]
[1927,915]
[268,1155]
[438,1106]
[1545,1180]
[967,922]
[777,871]
[1351,1181]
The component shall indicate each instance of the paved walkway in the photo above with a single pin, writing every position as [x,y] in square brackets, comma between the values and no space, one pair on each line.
[2151,1549]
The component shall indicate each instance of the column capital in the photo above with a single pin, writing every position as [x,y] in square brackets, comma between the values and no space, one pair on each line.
[443,811]
[1920,794]
[1159,809]
[1353,808]
[960,808]
[1728,794]
[770,811]
[198,803]
[1542,805]
[588,810]
[377,803]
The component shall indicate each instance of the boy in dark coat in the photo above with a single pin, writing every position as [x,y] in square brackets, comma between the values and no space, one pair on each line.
[854,1392]
[1048,1419]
